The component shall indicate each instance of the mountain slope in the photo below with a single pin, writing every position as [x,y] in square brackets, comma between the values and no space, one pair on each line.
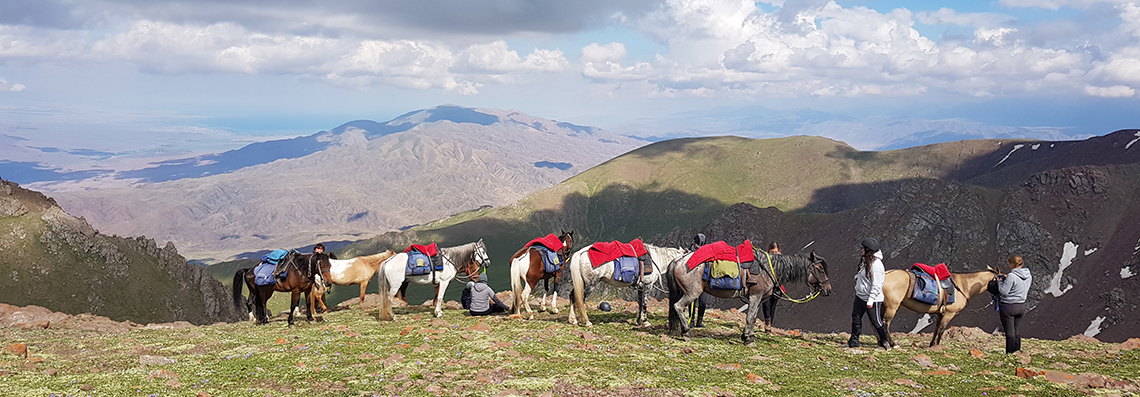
[54,260]
[369,178]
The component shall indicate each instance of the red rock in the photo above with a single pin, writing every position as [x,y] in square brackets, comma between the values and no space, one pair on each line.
[907,382]
[756,378]
[423,348]
[19,349]
[162,373]
[406,330]
[977,353]
[923,361]
[394,358]
[729,367]
[587,335]
[1083,338]
[481,327]
[1026,373]
[1131,343]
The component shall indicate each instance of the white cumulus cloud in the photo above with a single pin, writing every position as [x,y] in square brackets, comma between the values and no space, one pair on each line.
[12,87]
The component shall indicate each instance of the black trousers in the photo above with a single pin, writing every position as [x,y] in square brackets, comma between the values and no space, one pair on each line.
[1010,315]
[874,313]
[769,307]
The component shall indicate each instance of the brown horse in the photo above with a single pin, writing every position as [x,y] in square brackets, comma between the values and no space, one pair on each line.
[302,272]
[358,270]
[527,270]
[686,285]
[898,285]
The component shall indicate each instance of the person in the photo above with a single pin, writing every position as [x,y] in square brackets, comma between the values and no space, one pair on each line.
[320,249]
[483,299]
[769,305]
[697,308]
[1013,289]
[869,294]
[465,298]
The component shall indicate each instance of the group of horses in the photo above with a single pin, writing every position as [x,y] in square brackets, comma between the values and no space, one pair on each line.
[310,273]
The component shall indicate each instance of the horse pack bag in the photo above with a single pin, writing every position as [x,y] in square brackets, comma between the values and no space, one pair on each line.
[550,261]
[420,264]
[929,280]
[263,274]
[722,274]
[626,269]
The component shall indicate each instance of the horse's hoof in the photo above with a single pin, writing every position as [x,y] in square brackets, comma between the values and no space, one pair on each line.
[646,324]
[530,316]
[555,311]
[750,344]
[589,324]
[320,319]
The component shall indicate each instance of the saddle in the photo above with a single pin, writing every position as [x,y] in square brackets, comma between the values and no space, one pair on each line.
[929,282]
[274,258]
[723,263]
[548,247]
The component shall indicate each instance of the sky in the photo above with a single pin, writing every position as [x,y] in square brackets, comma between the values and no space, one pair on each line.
[125,81]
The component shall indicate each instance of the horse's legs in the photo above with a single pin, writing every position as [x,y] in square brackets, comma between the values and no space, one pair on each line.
[943,320]
[549,286]
[439,290]
[294,299]
[312,301]
[749,334]
[642,306]
[889,311]
[527,288]
[363,286]
[682,308]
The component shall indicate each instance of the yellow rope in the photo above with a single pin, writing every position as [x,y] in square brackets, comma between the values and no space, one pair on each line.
[783,296]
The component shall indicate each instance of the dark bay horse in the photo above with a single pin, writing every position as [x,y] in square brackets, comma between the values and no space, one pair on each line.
[686,285]
[468,258]
[897,287]
[527,270]
[302,273]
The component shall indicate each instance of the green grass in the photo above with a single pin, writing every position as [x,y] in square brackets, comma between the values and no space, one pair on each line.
[353,354]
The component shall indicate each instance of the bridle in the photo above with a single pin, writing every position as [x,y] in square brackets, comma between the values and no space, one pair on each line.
[814,272]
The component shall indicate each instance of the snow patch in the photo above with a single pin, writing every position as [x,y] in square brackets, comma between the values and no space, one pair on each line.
[1067,255]
[922,323]
[1035,146]
[1126,272]
[1133,141]
[1089,251]
[1015,147]
[1094,327]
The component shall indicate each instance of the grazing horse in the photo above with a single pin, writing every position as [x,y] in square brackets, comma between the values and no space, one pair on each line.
[686,285]
[469,258]
[302,272]
[585,276]
[897,288]
[527,270]
[358,270]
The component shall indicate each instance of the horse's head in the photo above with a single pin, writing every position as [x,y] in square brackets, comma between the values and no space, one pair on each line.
[817,274]
[567,239]
[479,259]
[324,265]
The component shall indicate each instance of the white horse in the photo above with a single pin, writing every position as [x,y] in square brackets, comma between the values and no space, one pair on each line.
[585,276]
[468,257]
[527,270]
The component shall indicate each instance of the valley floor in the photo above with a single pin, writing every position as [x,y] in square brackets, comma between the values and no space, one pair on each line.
[352,354]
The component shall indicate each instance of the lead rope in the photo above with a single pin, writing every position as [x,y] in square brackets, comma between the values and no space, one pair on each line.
[783,293]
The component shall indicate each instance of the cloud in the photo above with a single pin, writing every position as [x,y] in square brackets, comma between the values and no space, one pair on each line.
[1116,91]
[14,87]
[946,16]
[1057,4]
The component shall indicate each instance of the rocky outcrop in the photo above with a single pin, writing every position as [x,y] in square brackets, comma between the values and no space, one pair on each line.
[60,262]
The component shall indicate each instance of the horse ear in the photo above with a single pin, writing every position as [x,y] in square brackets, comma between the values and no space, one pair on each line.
[812,255]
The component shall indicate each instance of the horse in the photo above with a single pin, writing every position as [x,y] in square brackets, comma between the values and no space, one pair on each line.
[585,276]
[897,287]
[358,270]
[469,258]
[527,270]
[686,285]
[302,272]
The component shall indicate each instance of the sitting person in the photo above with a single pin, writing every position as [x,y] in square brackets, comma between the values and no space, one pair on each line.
[482,297]
[465,299]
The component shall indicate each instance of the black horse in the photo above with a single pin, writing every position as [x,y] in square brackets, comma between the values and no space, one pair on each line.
[302,273]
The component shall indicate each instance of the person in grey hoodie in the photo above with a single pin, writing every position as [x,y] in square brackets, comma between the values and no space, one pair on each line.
[1013,289]
[869,295]
[482,297]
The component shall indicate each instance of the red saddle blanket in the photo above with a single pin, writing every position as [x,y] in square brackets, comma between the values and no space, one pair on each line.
[939,271]
[549,241]
[429,250]
[721,251]
[602,252]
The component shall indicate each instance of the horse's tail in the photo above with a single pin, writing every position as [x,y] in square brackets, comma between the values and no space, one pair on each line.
[579,282]
[675,295]
[517,280]
[239,280]
[385,310]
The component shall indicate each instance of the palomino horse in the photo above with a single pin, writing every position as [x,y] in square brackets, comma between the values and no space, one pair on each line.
[527,270]
[585,276]
[302,273]
[358,270]
[469,258]
[896,291]
[686,285]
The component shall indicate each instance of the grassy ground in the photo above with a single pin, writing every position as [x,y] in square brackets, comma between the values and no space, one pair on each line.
[352,354]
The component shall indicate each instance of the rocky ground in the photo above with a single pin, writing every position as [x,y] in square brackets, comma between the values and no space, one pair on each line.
[350,353]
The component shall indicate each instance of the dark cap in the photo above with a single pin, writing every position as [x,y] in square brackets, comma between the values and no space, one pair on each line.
[871,244]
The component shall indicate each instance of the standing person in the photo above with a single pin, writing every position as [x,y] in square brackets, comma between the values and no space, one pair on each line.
[869,294]
[769,305]
[482,297]
[697,308]
[1013,289]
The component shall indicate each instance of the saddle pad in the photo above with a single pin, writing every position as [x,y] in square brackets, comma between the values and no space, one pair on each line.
[939,271]
[274,256]
[430,249]
[626,269]
[746,252]
[722,283]
[550,261]
[549,241]
[263,274]
[602,252]
[419,264]
[638,247]
[719,250]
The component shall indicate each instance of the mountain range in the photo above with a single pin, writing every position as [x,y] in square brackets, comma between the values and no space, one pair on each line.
[348,183]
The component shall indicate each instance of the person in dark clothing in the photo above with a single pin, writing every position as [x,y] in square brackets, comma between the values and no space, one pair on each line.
[697,308]
[869,295]
[483,299]
[465,298]
[769,305]
[1013,290]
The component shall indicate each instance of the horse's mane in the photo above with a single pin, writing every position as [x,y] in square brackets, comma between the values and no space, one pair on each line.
[460,254]
[375,260]
[789,268]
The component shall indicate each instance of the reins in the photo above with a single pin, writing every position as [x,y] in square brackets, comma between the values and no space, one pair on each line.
[783,291]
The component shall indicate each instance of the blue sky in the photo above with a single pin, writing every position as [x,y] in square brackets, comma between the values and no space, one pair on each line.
[135,80]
